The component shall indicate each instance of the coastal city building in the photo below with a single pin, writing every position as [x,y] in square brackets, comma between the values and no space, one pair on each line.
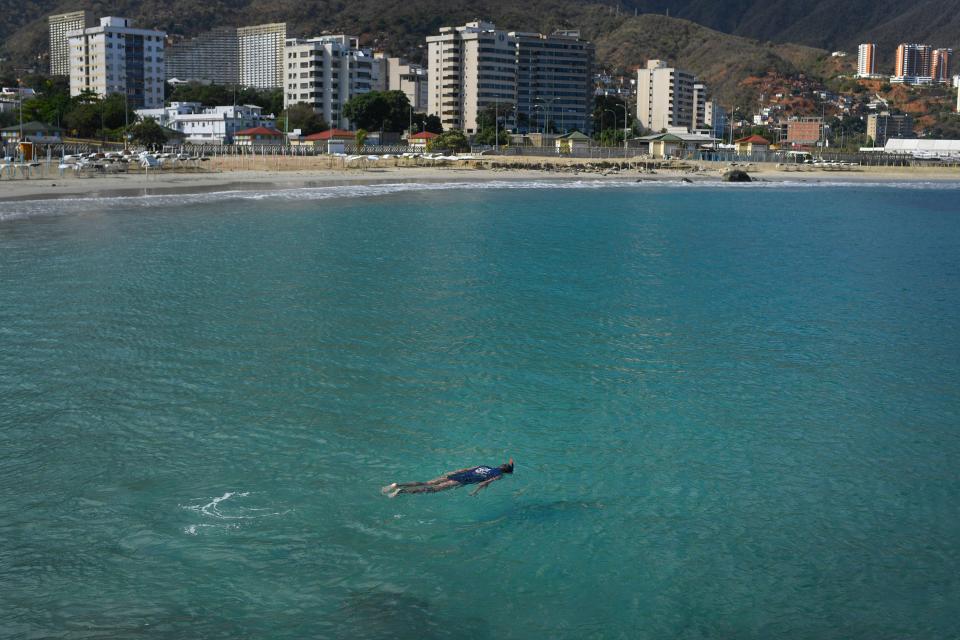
[470,68]
[914,64]
[261,55]
[715,119]
[403,76]
[804,132]
[665,97]
[751,145]
[699,107]
[885,126]
[209,125]
[36,132]
[259,136]
[212,57]
[59,26]
[867,61]
[940,66]
[605,84]
[554,86]
[325,72]
[115,57]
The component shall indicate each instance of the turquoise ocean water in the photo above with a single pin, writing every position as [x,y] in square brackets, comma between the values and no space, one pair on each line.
[734,413]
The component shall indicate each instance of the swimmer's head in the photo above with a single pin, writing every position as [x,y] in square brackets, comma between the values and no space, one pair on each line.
[507,468]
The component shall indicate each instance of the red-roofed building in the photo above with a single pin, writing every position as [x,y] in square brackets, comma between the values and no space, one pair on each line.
[331,140]
[752,144]
[419,141]
[258,136]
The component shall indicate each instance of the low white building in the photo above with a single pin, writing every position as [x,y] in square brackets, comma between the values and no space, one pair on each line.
[208,125]
[14,93]
[929,149]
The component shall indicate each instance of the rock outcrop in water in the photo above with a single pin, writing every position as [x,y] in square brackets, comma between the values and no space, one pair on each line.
[737,175]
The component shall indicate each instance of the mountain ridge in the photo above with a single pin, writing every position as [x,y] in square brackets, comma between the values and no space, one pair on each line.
[623,39]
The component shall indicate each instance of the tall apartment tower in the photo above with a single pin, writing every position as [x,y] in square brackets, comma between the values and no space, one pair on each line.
[699,120]
[554,81]
[325,73]
[867,60]
[261,55]
[940,66]
[115,57]
[914,63]
[664,96]
[60,25]
[213,56]
[469,68]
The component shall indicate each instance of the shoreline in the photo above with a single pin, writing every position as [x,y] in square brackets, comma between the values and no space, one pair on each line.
[230,179]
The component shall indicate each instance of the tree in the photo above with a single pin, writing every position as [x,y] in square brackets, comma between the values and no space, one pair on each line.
[603,119]
[490,123]
[211,95]
[379,110]
[303,117]
[148,133]
[423,122]
[361,138]
[452,140]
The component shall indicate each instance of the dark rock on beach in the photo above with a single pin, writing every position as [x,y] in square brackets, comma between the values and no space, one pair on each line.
[736,175]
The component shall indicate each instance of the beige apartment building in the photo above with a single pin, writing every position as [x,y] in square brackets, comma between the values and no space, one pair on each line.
[469,68]
[325,72]
[665,97]
[884,126]
[399,75]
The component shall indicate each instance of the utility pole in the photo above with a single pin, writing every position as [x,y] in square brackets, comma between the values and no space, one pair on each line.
[496,121]
[20,140]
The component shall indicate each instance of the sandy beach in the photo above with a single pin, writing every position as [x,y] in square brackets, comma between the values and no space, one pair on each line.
[265,173]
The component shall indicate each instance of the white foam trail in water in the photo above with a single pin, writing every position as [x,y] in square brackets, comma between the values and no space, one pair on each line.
[212,510]
[27,208]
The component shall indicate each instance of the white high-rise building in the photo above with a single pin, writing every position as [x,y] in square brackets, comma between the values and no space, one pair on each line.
[470,68]
[261,52]
[60,25]
[665,97]
[115,57]
[325,73]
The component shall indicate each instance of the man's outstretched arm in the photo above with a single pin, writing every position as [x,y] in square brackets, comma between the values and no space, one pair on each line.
[483,485]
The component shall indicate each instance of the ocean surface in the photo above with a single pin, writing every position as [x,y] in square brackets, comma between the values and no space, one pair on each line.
[734,410]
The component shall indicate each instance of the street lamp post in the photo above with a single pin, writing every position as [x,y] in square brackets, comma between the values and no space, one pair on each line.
[611,112]
[626,112]
[496,121]
[126,117]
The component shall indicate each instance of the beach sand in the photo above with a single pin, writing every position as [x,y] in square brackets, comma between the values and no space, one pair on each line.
[265,173]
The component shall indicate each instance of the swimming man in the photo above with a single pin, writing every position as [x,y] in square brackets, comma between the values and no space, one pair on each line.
[480,476]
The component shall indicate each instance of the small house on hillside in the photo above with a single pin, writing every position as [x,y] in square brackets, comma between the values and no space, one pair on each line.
[751,145]
[258,136]
[420,141]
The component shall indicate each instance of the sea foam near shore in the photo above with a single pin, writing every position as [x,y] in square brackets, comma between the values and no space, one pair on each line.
[71,204]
